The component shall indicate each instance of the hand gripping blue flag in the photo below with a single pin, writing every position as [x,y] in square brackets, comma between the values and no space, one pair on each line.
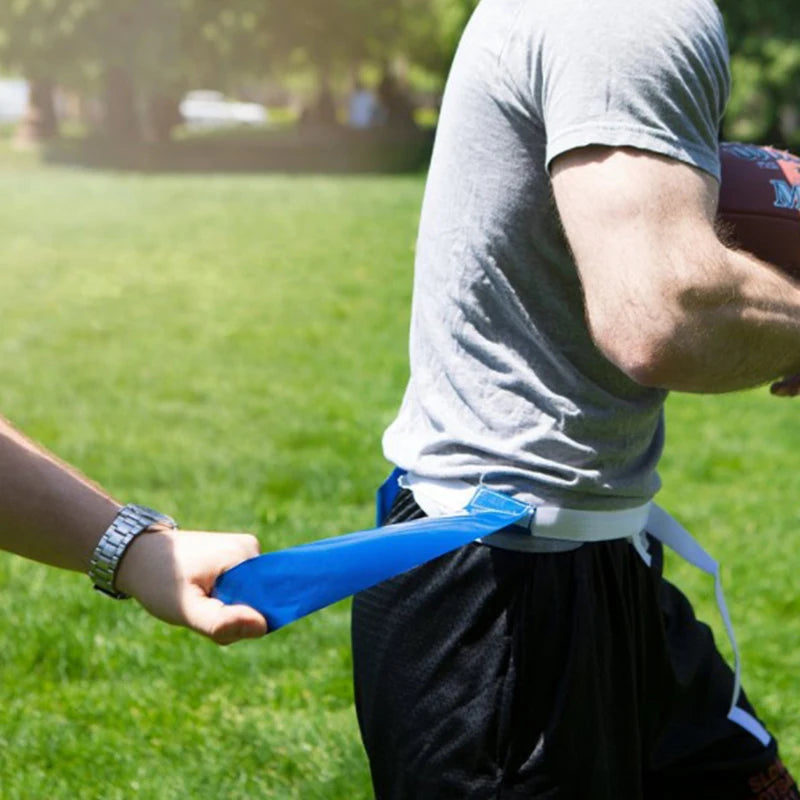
[288,584]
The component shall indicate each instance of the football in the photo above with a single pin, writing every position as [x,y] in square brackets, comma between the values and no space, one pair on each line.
[759,203]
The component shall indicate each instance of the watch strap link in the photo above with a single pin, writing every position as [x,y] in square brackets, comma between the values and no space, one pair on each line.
[131,520]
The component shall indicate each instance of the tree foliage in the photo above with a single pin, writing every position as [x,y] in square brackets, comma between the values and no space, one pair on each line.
[43,38]
[431,30]
[204,40]
[765,45]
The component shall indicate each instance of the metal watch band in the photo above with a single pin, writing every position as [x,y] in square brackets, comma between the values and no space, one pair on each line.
[131,520]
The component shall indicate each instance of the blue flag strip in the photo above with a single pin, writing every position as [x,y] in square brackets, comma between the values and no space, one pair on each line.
[289,584]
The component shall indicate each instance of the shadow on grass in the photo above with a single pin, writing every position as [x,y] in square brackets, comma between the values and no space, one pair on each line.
[334,151]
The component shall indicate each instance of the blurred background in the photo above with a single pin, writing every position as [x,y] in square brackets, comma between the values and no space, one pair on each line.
[136,77]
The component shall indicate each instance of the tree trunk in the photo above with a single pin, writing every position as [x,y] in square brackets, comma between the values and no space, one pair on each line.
[163,114]
[40,122]
[121,122]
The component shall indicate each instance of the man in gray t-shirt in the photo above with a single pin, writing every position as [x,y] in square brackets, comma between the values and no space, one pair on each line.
[567,276]
[505,376]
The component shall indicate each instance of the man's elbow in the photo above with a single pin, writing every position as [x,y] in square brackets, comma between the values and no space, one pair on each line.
[650,368]
[647,355]
[653,371]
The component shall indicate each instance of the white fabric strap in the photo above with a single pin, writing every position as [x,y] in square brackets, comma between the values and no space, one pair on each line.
[671,533]
[589,526]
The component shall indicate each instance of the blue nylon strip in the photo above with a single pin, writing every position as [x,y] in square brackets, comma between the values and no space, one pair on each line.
[386,494]
[288,584]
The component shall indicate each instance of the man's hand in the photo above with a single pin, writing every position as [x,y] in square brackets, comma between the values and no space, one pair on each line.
[788,387]
[51,513]
[172,573]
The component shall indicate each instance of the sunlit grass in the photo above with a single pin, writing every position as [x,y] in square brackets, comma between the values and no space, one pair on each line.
[228,348]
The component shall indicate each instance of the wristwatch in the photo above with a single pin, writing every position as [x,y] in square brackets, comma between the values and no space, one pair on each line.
[131,520]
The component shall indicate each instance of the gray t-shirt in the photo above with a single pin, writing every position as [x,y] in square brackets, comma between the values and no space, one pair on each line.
[506,384]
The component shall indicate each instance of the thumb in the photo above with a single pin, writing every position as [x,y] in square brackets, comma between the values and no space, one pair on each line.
[222,623]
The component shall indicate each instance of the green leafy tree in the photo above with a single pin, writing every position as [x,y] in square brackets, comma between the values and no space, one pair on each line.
[139,57]
[40,39]
[428,31]
[765,45]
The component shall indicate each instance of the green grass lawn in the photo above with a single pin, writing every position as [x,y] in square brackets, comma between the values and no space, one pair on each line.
[229,349]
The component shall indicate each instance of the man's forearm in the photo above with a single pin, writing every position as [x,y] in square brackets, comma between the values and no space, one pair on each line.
[48,511]
[665,300]
[735,328]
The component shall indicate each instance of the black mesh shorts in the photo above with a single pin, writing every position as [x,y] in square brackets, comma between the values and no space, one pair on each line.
[570,676]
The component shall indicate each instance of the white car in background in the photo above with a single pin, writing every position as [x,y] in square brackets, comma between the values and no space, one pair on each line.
[13,99]
[208,109]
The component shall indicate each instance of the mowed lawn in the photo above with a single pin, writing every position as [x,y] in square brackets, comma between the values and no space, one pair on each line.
[229,349]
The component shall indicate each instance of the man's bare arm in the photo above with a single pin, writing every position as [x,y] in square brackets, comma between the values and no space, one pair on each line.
[666,300]
[50,513]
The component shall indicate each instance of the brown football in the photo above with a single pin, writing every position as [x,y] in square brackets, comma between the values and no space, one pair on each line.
[759,199]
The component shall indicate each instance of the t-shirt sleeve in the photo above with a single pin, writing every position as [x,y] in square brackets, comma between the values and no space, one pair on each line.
[633,73]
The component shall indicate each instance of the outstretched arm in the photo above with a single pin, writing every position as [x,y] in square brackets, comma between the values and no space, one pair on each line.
[51,513]
[666,300]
